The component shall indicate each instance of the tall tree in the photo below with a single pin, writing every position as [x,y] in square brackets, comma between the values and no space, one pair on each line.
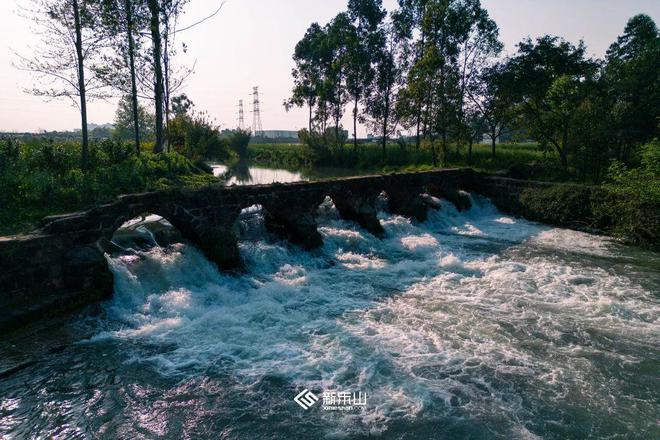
[130,37]
[338,32]
[493,96]
[412,97]
[61,64]
[173,77]
[631,76]
[307,73]
[159,87]
[548,74]
[478,45]
[381,98]
[124,21]
[362,40]
[441,74]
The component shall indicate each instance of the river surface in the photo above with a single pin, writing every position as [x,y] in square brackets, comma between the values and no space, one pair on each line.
[469,325]
[241,173]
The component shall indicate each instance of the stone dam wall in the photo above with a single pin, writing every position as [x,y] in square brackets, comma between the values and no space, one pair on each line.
[62,265]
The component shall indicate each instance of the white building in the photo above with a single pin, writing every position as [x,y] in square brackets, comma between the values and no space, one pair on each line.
[276,134]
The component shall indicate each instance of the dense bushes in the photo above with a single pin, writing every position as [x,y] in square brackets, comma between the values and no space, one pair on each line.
[627,206]
[196,137]
[43,177]
[523,158]
[561,204]
[238,142]
[280,156]
[638,196]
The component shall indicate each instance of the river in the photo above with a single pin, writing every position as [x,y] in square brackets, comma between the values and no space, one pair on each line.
[241,173]
[469,325]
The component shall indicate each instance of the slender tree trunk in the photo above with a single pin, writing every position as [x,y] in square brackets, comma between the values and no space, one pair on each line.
[470,141]
[493,140]
[434,155]
[131,62]
[310,118]
[84,163]
[386,116]
[166,83]
[154,9]
[355,113]
[419,101]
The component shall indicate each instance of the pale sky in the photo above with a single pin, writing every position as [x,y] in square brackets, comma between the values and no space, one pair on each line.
[251,43]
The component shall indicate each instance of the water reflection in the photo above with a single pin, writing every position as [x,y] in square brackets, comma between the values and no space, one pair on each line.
[241,173]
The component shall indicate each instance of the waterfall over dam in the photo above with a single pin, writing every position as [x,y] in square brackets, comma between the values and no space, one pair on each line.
[470,324]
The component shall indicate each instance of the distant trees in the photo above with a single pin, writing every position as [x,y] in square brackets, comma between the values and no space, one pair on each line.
[62,64]
[125,120]
[433,68]
[414,67]
[548,75]
[100,48]
[633,84]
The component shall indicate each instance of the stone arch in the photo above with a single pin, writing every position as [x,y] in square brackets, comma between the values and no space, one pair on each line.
[407,200]
[292,215]
[154,223]
[359,205]
[209,228]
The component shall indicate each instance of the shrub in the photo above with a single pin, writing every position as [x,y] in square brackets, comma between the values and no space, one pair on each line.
[638,203]
[238,142]
[41,177]
[196,137]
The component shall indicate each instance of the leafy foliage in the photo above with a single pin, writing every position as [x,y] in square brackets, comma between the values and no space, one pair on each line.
[638,191]
[44,177]
[124,125]
[196,137]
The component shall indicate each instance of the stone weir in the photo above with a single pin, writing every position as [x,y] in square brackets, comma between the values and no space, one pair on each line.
[62,265]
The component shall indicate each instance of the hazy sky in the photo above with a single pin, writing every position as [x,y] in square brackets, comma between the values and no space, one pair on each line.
[251,42]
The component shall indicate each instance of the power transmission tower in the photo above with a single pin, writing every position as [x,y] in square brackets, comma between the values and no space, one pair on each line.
[241,115]
[256,111]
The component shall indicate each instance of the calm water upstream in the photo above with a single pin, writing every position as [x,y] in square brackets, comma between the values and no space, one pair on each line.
[245,174]
[469,325]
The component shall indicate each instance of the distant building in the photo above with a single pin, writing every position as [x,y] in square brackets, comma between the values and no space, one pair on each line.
[276,134]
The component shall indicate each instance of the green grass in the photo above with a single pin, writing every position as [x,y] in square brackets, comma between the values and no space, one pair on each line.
[524,160]
[40,178]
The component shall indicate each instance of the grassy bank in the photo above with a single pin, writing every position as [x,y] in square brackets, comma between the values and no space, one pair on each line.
[41,177]
[524,160]
[625,205]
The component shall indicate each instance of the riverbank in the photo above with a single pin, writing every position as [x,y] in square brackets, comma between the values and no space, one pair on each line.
[626,204]
[522,160]
[43,177]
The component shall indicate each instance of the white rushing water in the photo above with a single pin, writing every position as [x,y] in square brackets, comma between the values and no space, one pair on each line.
[476,317]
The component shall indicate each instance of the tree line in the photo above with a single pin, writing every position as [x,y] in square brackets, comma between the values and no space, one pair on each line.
[435,69]
[94,49]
